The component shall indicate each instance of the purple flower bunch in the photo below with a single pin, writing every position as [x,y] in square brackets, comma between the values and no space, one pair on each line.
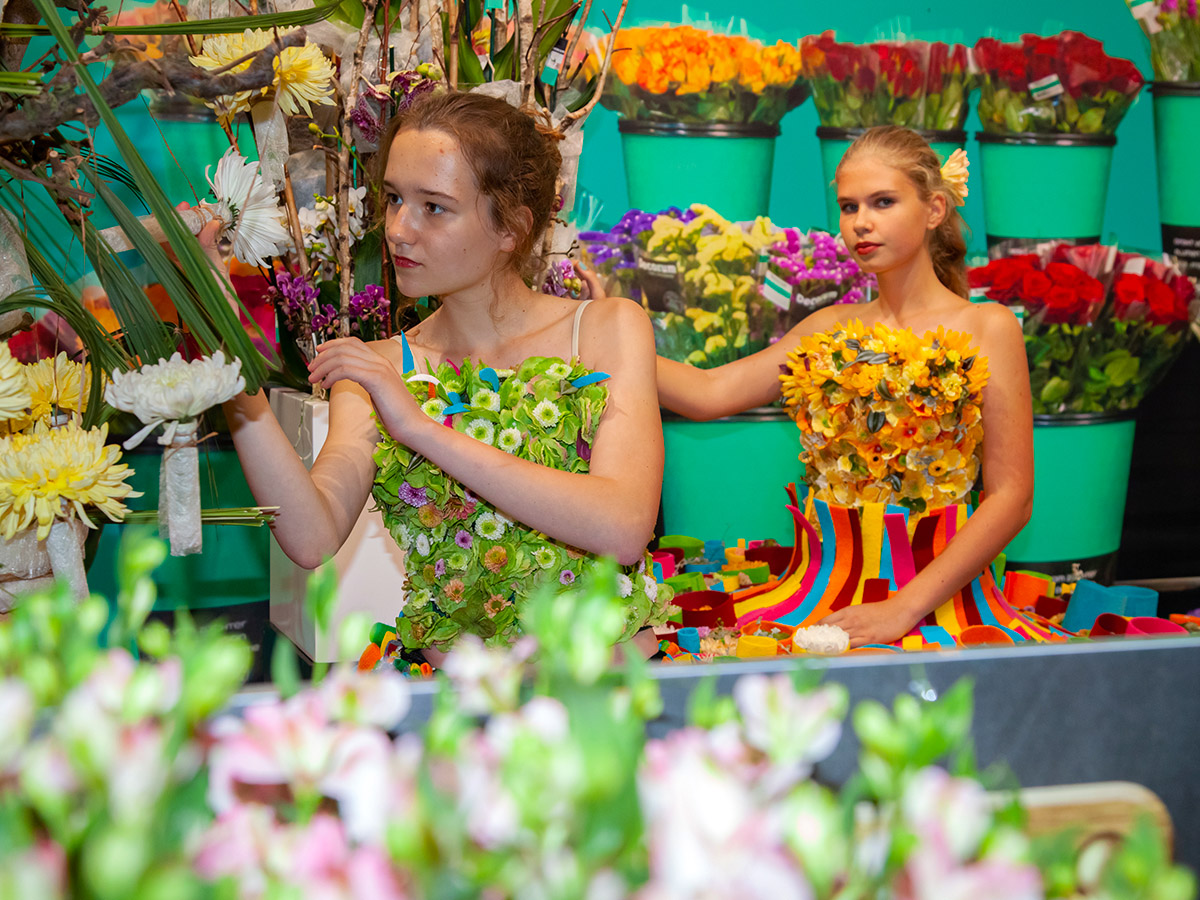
[817,263]
[296,298]
[370,304]
[614,254]
[562,280]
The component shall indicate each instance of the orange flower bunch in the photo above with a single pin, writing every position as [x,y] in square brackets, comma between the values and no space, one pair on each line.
[685,74]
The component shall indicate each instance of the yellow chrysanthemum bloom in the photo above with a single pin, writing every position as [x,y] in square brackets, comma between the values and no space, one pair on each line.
[57,385]
[54,473]
[303,75]
[14,387]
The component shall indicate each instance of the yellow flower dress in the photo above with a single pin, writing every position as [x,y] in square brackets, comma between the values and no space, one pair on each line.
[891,429]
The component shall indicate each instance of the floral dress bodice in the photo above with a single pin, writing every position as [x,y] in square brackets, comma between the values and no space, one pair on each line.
[467,563]
[886,416]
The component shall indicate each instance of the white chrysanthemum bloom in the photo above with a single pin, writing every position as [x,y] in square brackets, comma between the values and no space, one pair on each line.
[546,414]
[435,407]
[650,586]
[558,371]
[482,430]
[510,440]
[489,526]
[544,557]
[486,398]
[247,203]
[172,391]
[14,388]
[422,545]
[624,585]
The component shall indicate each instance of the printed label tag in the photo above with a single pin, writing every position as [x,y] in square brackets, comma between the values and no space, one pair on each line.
[658,281]
[553,64]
[979,293]
[1147,14]
[817,301]
[1045,88]
[777,291]
[1183,242]
[1135,266]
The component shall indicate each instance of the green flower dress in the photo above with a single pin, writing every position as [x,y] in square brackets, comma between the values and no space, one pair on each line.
[468,565]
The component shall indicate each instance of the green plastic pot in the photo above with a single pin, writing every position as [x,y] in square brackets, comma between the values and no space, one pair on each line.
[1176,136]
[1044,186]
[1081,476]
[725,166]
[727,479]
[233,567]
[836,141]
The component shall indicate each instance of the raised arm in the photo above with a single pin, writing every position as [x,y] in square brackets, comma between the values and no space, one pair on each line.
[1007,499]
[609,511]
[703,394]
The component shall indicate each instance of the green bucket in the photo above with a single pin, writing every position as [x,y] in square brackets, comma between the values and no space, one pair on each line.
[1044,186]
[1080,478]
[233,567]
[1176,136]
[725,166]
[726,479]
[836,141]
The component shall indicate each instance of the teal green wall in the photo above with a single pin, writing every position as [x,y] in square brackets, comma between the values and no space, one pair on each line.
[796,199]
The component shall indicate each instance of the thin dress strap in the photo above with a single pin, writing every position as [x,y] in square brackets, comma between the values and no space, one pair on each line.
[575,328]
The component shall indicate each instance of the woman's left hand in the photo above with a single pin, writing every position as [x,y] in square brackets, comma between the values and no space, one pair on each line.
[350,359]
[873,623]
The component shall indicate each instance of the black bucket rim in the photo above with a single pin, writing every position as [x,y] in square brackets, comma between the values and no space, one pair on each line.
[697,129]
[1057,420]
[1036,139]
[1175,88]
[932,135]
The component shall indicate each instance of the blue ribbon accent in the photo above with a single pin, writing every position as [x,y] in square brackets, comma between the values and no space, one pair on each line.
[456,404]
[407,362]
[585,380]
[489,375]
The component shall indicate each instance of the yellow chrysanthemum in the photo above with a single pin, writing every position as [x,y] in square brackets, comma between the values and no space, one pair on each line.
[57,385]
[54,473]
[303,75]
[14,386]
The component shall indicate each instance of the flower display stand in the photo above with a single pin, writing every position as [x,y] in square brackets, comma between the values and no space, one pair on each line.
[370,566]
[1081,476]
[727,479]
[1044,186]
[836,141]
[722,165]
[1176,136]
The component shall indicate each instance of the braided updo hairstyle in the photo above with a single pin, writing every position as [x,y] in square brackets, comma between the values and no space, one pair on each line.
[513,154]
[907,151]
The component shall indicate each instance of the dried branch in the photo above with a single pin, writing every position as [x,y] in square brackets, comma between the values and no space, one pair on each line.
[582,113]
[55,187]
[60,104]
[587,11]
[527,76]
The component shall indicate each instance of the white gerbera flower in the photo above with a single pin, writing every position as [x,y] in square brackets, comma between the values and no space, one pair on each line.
[489,526]
[249,207]
[482,430]
[422,545]
[434,407]
[510,440]
[547,414]
[558,371]
[172,391]
[486,398]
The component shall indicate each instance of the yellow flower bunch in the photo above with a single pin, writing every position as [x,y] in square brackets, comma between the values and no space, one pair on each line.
[886,416]
[303,75]
[53,473]
[14,387]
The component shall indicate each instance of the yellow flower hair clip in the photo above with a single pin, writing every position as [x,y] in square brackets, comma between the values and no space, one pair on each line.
[954,174]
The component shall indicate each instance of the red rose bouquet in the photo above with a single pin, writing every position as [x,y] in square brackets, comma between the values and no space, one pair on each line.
[948,82]
[1101,327]
[1065,83]
[857,86]
[1173,27]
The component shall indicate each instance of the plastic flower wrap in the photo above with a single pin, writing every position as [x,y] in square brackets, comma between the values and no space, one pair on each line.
[614,254]
[1065,83]
[1102,327]
[679,73]
[173,393]
[1173,27]
[805,272]
[911,83]
[886,416]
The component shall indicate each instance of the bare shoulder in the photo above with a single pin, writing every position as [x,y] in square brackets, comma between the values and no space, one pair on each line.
[995,326]
[390,349]
[613,321]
